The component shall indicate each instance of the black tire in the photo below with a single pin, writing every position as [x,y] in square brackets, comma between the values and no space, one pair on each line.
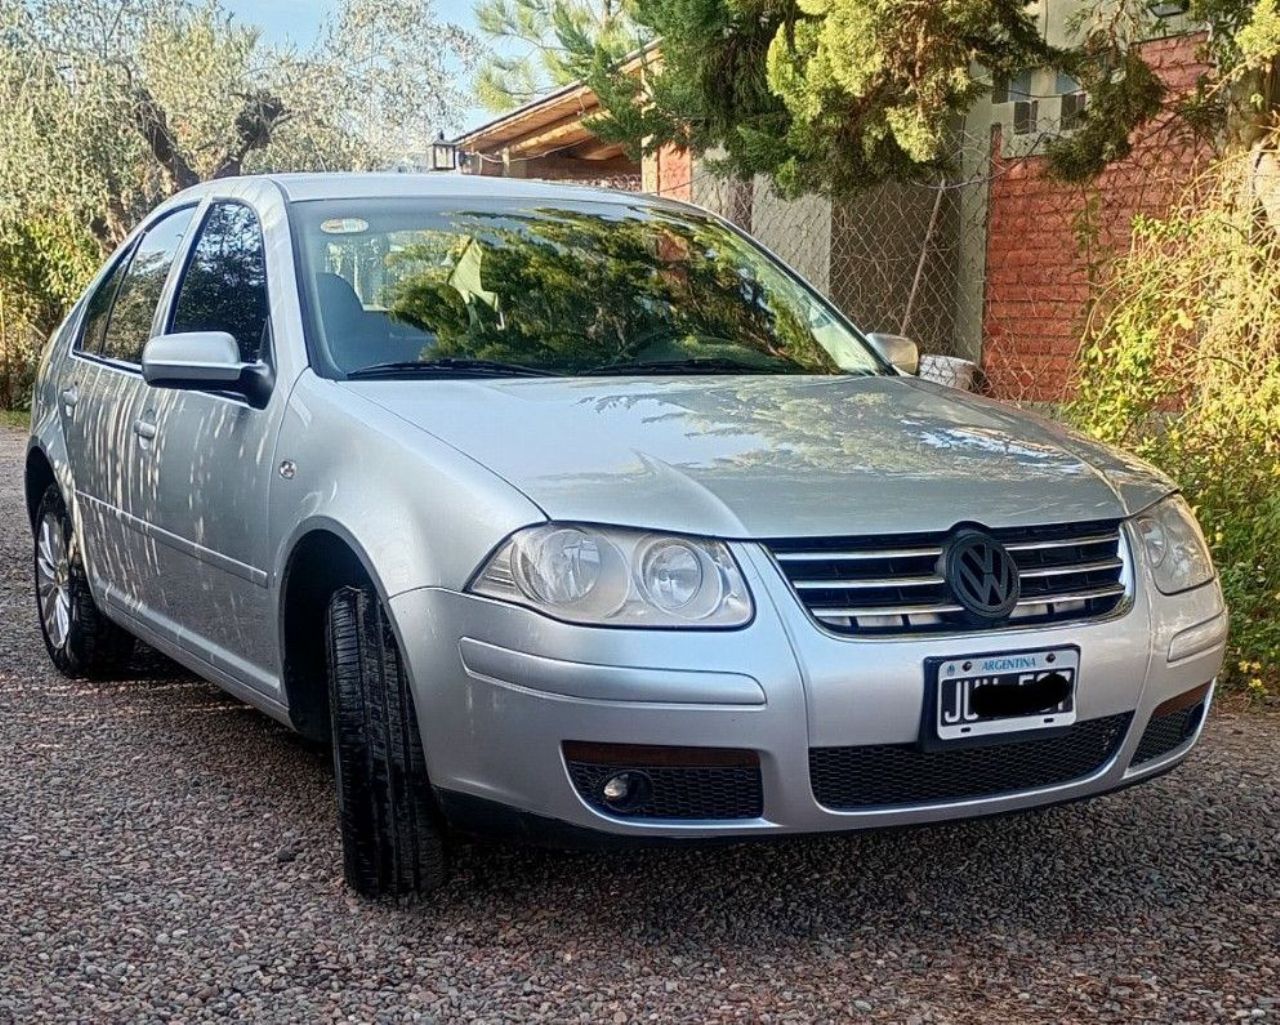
[89,645]
[392,835]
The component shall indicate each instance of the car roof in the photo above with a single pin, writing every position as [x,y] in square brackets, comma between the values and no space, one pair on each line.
[357,185]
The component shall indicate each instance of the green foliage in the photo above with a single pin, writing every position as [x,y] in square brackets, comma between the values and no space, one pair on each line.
[115,104]
[44,263]
[833,96]
[568,290]
[1183,367]
[546,34]
[1258,39]
[823,95]
[1119,99]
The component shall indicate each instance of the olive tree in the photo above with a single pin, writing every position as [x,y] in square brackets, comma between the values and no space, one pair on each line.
[117,103]
[111,105]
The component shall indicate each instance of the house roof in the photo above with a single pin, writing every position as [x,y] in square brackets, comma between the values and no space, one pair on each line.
[574,101]
[551,124]
[360,185]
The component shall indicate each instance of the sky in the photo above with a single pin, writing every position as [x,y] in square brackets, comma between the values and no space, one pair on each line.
[299,21]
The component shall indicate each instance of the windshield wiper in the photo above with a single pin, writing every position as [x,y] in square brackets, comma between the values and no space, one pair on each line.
[447,367]
[702,365]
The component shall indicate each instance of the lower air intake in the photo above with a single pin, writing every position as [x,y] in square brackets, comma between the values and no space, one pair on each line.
[895,775]
[1165,733]
[680,783]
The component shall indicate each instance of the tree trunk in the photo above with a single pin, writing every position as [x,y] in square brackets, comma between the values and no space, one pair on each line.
[1264,181]
[153,123]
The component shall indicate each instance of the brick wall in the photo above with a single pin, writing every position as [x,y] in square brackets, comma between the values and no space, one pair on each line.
[1037,271]
[673,173]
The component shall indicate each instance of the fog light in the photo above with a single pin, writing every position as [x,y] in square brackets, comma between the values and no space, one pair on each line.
[627,790]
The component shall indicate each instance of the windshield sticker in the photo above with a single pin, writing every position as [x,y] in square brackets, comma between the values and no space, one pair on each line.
[344,226]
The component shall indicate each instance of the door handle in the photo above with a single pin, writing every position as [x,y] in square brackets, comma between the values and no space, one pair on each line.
[144,429]
[70,396]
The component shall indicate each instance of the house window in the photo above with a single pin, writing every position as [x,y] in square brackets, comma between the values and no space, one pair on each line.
[1017,90]
[1074,101]
[1025,117]
[1073,106]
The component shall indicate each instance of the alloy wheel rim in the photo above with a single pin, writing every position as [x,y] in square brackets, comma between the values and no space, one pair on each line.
[53,579]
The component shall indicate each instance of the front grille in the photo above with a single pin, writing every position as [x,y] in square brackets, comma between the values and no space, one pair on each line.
[690,791]
[1166,732]
[893,775]
[893,583]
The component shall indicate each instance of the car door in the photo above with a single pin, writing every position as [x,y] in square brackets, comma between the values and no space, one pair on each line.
[205,483]
[98,395]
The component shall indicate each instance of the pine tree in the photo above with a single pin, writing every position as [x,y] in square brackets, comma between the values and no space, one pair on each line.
[543,35]
[835,95]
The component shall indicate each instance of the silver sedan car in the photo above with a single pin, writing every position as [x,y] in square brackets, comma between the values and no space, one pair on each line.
[575,515]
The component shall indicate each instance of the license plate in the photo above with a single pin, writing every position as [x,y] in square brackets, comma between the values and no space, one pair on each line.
[1005,692]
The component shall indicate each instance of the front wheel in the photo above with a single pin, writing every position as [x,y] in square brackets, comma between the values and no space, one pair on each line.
[392,838]
[81,641]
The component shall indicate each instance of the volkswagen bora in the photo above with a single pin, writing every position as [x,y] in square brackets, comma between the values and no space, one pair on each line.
[575,515]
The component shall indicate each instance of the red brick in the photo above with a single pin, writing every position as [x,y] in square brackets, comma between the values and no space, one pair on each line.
[1037,279]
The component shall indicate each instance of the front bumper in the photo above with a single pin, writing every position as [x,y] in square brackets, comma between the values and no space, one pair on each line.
[499,690]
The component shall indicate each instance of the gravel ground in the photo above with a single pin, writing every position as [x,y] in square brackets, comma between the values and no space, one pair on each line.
[169,854]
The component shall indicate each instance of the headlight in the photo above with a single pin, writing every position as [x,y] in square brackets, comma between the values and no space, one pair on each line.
[1176,552]
[615,577]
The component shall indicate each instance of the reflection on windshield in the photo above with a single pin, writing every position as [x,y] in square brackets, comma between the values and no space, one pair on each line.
[572,290]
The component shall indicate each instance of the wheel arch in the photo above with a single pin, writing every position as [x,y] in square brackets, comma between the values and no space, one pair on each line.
[37,476]
[322,557]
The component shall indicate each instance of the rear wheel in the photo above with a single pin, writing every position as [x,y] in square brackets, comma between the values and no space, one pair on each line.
[392,837]
[80,640]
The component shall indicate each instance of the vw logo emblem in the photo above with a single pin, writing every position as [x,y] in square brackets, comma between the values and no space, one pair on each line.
[982,575]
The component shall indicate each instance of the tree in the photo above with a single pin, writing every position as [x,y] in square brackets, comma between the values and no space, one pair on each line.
[112,105]
[833,96]
[119,103]
[544,35]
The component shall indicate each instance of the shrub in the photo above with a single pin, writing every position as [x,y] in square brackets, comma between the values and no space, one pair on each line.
[1181,364]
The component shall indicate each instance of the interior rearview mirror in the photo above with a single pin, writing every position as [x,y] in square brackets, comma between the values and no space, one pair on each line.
[895,349]
[204,361]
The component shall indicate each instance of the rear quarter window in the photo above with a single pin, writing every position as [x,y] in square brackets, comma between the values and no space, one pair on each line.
[98,309]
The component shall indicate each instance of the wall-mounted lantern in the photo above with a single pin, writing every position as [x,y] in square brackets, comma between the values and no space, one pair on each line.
[444,154]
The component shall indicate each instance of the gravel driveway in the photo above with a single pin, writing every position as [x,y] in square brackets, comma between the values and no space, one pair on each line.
[169,854]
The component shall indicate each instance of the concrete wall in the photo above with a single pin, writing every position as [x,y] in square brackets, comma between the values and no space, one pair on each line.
[798,230]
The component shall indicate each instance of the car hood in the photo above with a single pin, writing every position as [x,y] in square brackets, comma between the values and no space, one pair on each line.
[770,456]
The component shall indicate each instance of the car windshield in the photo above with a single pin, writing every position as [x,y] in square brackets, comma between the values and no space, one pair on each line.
[400,287]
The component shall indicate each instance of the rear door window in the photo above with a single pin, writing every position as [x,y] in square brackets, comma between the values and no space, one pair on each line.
[129,325]
[224,287]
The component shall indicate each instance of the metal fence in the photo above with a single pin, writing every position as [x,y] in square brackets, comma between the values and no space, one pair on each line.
[991,262]
[901,258]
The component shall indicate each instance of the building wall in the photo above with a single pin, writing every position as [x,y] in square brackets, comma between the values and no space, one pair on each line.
[552,169]
[669,172]
[1046,238]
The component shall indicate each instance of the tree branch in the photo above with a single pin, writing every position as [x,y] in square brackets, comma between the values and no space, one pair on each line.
[261,115]
[152,122]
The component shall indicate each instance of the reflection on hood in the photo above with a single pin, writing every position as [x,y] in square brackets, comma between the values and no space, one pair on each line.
[774,456]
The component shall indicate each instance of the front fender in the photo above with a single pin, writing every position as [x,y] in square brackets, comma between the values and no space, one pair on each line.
[418,512]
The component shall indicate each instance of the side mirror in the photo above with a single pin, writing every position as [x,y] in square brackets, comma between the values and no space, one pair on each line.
[897,350]
[204,361]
